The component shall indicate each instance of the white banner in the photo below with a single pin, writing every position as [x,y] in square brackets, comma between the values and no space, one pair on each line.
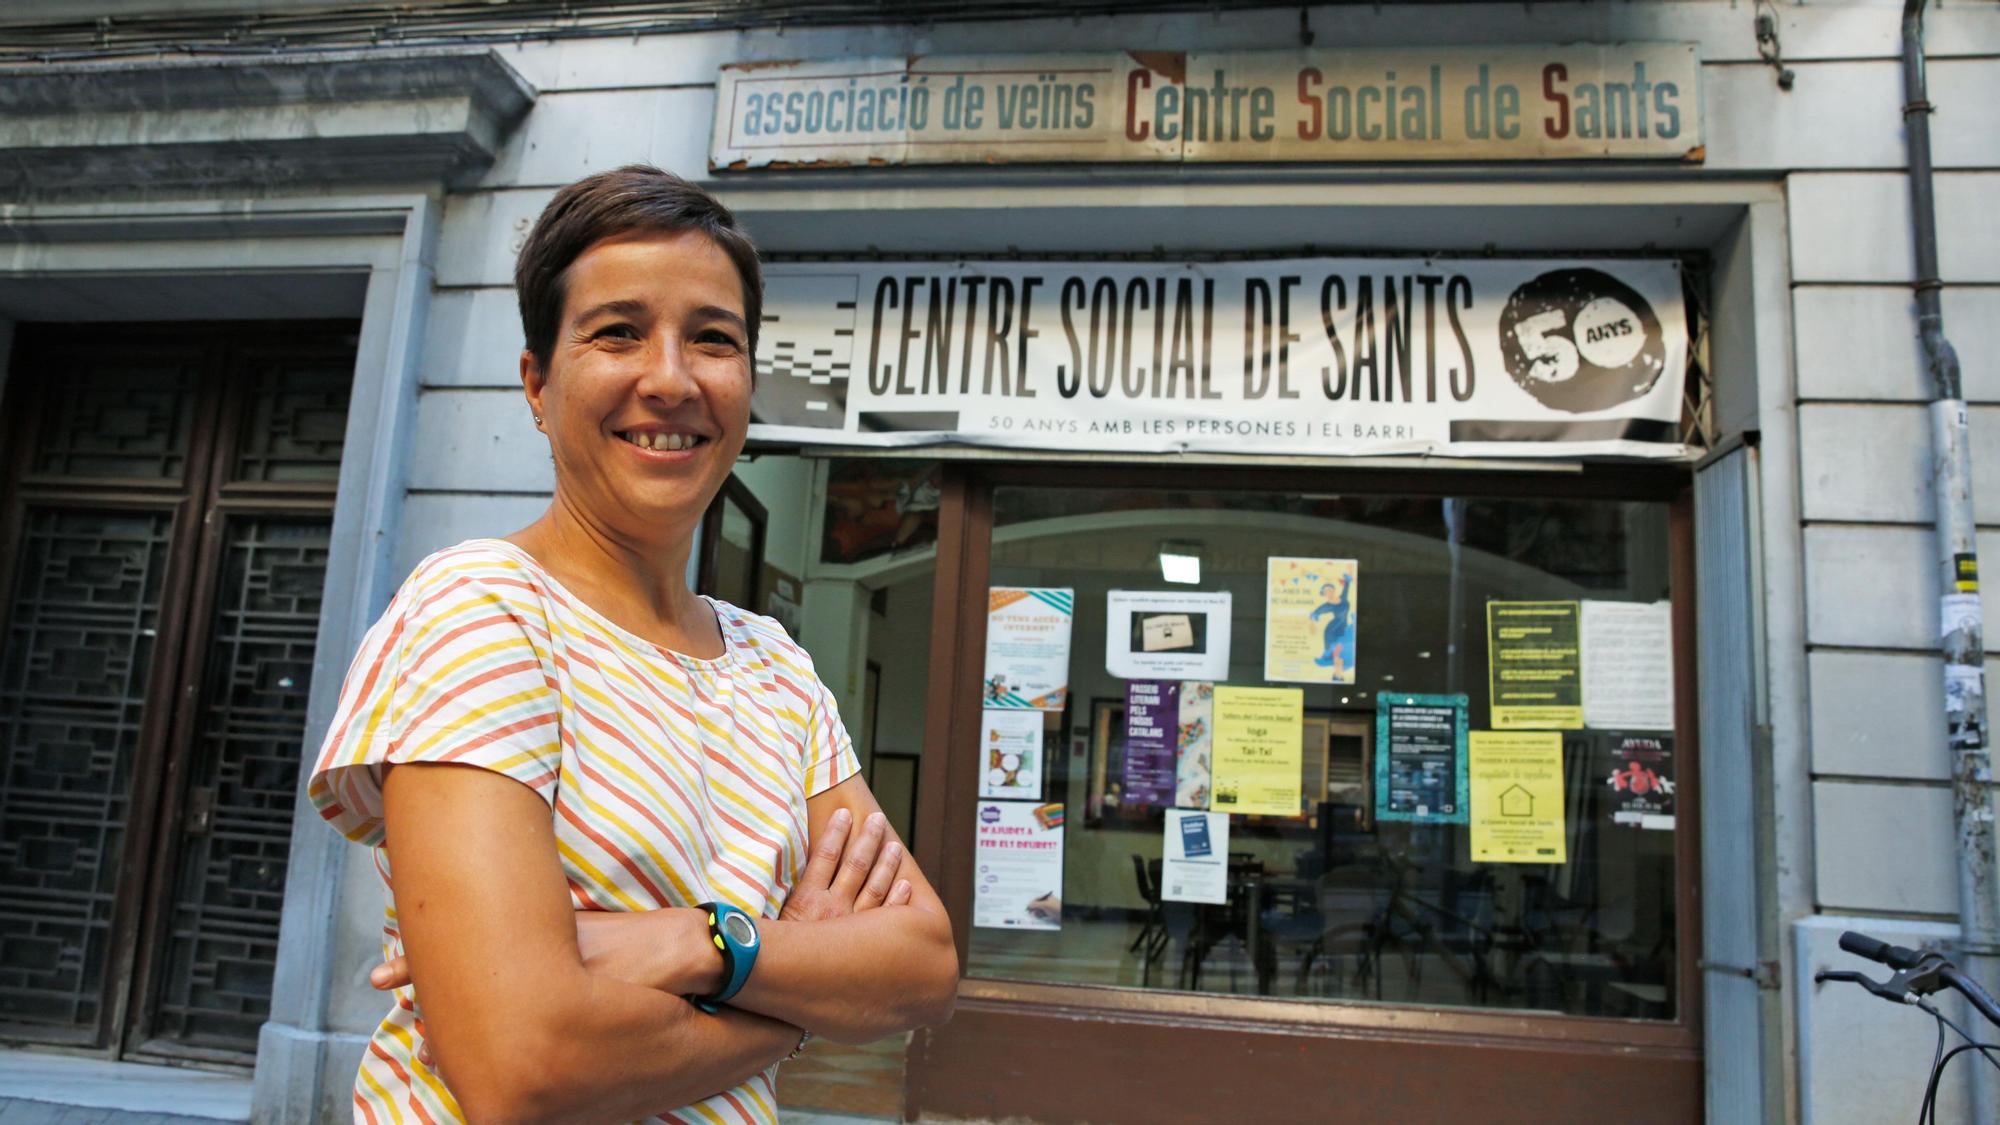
[1591,101]
[1304,356]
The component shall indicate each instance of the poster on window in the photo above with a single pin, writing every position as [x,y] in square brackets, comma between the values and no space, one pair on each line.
[1152,713]
[1195,863]
[1420,764]
[1194,745]
[1166,634]
[1027,647]
[1309,620]
[1628,665]
[1517,796]
[1259,750]
[1642,780]
[1018,866]
[1010,742]
[1534,664]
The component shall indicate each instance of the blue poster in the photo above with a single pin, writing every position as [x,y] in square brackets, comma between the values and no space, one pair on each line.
[1420,764]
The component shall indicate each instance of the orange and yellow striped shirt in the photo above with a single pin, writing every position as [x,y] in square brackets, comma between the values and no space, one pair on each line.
[671,780]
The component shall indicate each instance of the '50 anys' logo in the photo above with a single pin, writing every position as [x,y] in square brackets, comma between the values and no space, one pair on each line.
[1580,340]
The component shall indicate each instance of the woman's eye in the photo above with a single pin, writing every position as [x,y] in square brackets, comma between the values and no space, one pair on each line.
[717,336]
[618,332]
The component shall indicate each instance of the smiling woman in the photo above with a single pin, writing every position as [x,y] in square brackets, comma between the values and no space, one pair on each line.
[633,861]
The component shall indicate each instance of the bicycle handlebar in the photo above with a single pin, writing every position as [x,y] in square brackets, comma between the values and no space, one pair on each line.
[1881,952]
[1981,1001]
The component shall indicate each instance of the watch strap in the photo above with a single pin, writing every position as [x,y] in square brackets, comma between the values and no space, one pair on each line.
[738,956]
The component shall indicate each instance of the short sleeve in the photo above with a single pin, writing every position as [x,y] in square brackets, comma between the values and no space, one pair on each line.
[830,757]
[457,670]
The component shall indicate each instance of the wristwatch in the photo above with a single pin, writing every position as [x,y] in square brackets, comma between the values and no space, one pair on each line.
[734,933]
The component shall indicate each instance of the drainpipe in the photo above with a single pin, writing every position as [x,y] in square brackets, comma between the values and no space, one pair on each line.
[1958,566]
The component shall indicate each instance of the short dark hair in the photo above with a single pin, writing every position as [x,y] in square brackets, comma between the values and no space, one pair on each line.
[637,197]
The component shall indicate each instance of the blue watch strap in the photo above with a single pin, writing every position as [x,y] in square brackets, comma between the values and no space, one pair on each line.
[734,934]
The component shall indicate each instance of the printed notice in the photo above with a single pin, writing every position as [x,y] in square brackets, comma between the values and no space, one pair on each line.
[1628,665]
[1420,758]
[1194,745]
[1531,654]
[1166,635]
[1309,620]
[1196,863]
[1018,866]
[1259,750]
[1152,721]
[1517,797]
[1012,743]
[1027,647]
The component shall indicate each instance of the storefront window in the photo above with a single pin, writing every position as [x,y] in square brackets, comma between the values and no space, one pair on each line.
[1541,876]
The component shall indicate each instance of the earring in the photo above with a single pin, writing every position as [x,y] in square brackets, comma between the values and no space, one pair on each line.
[538,421]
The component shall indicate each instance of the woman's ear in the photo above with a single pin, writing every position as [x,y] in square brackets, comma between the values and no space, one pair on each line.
[533,380]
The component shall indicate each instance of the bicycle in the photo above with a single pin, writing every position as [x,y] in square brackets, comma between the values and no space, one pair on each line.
[1920,974]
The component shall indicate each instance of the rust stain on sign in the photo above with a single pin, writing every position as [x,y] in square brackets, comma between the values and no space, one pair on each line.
[1173,64]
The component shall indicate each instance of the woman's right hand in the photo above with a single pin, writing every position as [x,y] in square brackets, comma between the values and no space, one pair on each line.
[848,871]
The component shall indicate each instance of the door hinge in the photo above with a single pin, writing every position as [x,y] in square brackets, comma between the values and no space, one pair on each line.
[1764,976]
[200,811]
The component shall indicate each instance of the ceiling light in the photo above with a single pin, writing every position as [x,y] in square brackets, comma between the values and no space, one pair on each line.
[1180,562]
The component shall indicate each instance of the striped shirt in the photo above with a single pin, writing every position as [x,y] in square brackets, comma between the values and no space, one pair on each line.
[671,780]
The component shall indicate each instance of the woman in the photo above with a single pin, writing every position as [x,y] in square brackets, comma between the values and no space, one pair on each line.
[561,755]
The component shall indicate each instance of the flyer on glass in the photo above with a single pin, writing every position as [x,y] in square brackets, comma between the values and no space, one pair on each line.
[1535,670]
[1195,745]
[1420,758]
[1517,797]
[1195,867]
[1642,780]
[1018,866]
[1011,746]
[1259,750]
[1152,714]
[1027,647]
[1166,635]
[1309,620]
[1628,665]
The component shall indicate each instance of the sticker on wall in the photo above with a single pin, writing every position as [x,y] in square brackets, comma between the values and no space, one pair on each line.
[1027,647]
[1534,665]
[1194,745]
[1259,750]
[1018,866]
[1195,867]
[1166,635]
[1420,766]
[1628,665]
[1010,744]
[1152,714]
[1310,610]
[1642,781]
[1517,797]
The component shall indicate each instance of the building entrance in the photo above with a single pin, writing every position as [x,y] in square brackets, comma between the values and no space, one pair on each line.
[163,544]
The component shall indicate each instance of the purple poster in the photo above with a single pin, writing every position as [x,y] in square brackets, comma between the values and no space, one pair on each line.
[1152,724]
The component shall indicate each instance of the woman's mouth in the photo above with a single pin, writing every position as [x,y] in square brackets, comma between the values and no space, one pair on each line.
[660,442]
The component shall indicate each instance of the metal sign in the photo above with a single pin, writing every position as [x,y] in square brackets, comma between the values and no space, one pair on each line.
[1332,356]
[1589,101]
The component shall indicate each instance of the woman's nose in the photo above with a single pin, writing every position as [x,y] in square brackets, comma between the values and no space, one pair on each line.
[667,374]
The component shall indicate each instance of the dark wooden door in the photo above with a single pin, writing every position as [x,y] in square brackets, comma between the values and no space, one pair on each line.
[163,546]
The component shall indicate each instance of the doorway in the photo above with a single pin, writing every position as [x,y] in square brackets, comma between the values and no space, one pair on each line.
[164,532]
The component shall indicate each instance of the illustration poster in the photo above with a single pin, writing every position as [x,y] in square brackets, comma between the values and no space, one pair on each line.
[1420,758]
[1018,862]
[1167,635]
[1310,606]
[1517,797]
[1642,781]
[1012,744]
[1152,729]
[1259,750]
[1195,867]
[1628,665]
[1027,647]
[1195,745]
[1532,658]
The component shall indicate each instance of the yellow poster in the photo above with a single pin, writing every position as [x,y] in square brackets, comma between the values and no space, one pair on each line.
[1309,620]
[1517,797]
[1259,733]
[1532,654]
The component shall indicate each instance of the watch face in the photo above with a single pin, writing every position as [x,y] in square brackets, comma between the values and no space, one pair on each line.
[740,929]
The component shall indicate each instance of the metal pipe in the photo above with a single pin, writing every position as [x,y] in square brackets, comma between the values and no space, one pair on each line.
[1958,571]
